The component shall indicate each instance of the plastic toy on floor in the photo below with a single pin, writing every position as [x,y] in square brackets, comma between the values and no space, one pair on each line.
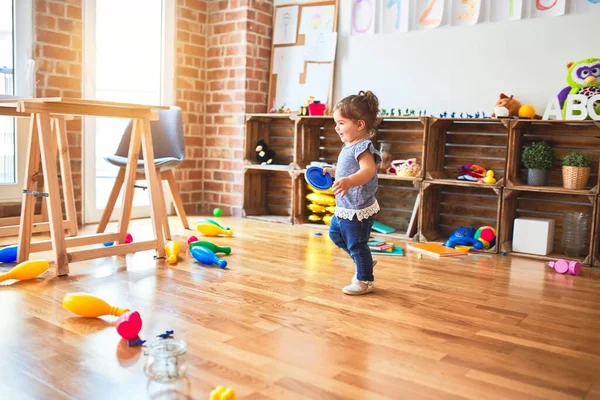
[129,325]
[172,250]
[481,239]
[26,270]
[206,256]
[211,246]
[209,229]
[87,305]
[8,254]
[563,266]
[222,393]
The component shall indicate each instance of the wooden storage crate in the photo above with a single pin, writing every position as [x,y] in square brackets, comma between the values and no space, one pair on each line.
[545,205]
[446,206]
[564,137]
[596,236]
[452,143]
[317,140]
[301,211]
[406,138]
[278,131]
[268,195]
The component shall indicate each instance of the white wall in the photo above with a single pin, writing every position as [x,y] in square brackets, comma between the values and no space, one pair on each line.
[465,68]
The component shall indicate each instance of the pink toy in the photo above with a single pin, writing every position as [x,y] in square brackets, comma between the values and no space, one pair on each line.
[129,325]
[192,239]
[563,266]
[128,238]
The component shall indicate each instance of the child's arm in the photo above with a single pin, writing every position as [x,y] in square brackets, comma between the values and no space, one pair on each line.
[367,170]
[330,170]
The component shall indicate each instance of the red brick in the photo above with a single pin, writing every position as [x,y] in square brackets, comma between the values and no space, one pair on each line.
[59,53]
[56,9]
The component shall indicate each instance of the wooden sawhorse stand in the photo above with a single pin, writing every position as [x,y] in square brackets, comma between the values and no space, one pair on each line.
[42,145]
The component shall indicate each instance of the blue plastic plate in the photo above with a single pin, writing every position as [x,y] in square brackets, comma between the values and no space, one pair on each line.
[314,176]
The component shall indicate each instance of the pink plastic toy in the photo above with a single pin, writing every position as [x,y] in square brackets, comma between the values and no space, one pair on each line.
[128,238]
[563,266]
[129,325]
[192,239]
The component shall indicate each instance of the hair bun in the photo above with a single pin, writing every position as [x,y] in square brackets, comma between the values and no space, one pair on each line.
[371,100]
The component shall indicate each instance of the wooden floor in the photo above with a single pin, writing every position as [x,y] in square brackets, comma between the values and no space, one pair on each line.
[275,325]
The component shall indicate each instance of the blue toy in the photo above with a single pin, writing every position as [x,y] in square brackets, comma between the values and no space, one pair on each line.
[206,256]
[8,254]
[137,342]
[166,335]
[464,237]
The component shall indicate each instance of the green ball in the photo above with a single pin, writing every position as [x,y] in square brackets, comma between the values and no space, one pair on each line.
[217,212]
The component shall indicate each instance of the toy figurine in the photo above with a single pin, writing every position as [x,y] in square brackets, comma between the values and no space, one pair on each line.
[167,334]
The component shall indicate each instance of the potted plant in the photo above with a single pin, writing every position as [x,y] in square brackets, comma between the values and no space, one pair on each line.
[538,159]
[576,169]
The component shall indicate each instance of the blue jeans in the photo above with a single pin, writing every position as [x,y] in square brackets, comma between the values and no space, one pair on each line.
[352,236]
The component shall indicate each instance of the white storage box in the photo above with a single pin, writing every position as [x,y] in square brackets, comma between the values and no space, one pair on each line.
[533,236]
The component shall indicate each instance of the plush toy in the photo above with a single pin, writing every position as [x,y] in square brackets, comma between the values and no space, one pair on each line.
[506,106]
[264,154]
[471,172]
[583,77]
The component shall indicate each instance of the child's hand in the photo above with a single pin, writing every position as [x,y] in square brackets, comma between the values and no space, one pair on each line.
[341,186]
[330,171]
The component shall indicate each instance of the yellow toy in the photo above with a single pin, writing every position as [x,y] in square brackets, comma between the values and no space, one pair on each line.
[26,270]
[327,219]
[208,229]
[321,199]
[489,177]
[86,305]
[316,208]
[172,251]
[221,393]
[527,111]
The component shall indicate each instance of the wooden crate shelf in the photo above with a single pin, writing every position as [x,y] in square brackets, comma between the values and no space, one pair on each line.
[301,211]
[278,131]
[596,236]
[406,138]
[268,195]
[317,141]
[518,203]
[445,207]
[564,137]
[453,143]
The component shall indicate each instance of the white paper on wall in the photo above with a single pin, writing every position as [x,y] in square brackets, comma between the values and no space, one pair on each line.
[317,19]
[429,13]
[320,46]
[287,65]
[362,17]
[286,24]
[318,79]
[394,16]
[585,6]
[547,8]
[511,10]
[465,12]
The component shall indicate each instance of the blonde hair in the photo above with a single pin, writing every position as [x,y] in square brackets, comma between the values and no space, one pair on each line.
[362,106]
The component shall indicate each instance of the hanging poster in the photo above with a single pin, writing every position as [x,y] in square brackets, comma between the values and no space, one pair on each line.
[547,8]
[394,16]
[316,19]
[511,10]
[363,17]
[286,23]
[585,6]
[465,12]
[430,13]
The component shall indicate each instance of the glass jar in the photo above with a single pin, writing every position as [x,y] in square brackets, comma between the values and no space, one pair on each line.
[575,235]
[165,360]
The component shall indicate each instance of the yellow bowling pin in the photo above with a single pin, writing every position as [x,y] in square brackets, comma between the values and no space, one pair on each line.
[87,305]
[208,229]
[26,270]
[172,250]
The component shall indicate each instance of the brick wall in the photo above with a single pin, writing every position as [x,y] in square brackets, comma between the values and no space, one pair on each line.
[237,65]
[222,63]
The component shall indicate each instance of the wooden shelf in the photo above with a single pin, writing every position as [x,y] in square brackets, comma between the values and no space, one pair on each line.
[291,116]
[399,178]
[552,189]
[456,182]
[549,257]
[270,167]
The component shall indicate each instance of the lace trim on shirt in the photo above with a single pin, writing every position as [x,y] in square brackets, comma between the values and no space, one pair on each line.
[347,213]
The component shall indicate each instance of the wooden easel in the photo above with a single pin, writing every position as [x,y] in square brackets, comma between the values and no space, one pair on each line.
[42,145]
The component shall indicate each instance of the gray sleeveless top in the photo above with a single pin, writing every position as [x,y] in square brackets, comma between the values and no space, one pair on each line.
[359,200]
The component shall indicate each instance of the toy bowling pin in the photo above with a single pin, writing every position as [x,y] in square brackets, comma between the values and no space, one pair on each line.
[563,266]
[206,256]
[129,325]
[172,250]
[208,229]
[8,254]
[26,270]
[87,305]
[211,246]
[211,221]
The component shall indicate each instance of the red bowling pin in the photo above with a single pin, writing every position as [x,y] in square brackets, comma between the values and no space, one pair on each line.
[206,256]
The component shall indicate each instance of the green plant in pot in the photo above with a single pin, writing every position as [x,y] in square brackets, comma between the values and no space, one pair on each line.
[576,168]
[538,159]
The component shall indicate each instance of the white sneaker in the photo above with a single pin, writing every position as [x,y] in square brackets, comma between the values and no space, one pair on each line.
[356,289]
[354,276]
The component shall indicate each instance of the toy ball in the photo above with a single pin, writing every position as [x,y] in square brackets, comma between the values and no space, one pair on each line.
[217,212]
[129,325]
[192,239]
[527,111]
[487,236]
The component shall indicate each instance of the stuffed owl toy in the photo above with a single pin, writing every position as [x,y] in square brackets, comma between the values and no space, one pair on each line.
[583,78]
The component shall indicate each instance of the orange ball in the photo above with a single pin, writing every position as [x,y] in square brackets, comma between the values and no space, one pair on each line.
[527,111]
